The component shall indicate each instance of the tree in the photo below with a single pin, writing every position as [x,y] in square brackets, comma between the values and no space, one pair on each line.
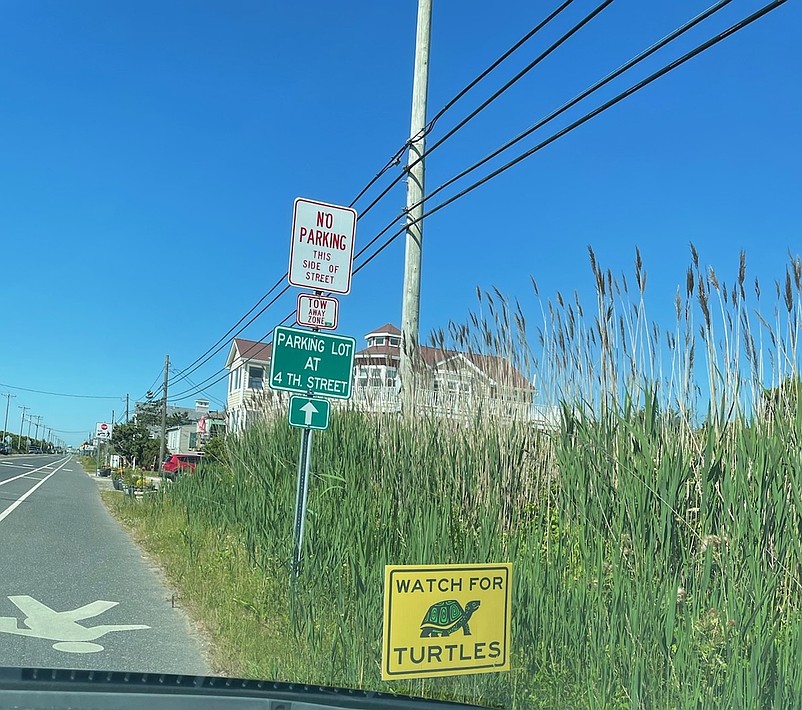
[216,450]
[149,414]
[177,419]
[133,441]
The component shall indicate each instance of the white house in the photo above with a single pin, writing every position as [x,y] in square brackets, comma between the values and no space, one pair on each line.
[452,383]
[248,366]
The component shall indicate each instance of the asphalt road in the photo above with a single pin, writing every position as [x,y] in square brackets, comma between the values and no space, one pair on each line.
[75,591]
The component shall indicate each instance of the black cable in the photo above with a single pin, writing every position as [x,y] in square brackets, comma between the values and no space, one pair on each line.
[61,394]
[553,47]
[564,131]
[182,374]
[595,112]
[395,159]
[584,94]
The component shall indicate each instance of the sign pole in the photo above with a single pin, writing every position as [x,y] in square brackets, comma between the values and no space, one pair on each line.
[304,461]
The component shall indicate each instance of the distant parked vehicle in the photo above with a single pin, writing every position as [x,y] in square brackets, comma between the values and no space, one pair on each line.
[4,448]
[34,450]
[175,463]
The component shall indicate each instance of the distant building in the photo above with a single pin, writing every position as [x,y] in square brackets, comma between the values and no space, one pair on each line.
[248,365]
[150,413]
[452,383]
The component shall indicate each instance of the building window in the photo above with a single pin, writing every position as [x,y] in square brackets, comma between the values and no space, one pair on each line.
[395,341]
[378,340]
[235,379]
[255,377]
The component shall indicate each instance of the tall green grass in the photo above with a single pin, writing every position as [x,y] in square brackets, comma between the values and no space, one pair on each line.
[654,534]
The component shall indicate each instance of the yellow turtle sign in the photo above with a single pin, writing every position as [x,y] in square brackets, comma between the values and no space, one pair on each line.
[446,620]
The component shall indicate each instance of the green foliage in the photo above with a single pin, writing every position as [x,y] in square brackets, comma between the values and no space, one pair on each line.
[656,562]
[133,442]
[216,450]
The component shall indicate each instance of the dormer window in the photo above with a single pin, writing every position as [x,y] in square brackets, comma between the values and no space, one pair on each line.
[378,340]
[395,341]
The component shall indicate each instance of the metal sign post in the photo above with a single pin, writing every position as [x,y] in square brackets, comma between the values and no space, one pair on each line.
[300,499]
[313,364]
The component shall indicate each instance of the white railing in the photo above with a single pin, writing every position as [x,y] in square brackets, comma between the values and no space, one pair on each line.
[379,399]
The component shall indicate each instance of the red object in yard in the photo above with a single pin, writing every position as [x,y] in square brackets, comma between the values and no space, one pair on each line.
[180,462]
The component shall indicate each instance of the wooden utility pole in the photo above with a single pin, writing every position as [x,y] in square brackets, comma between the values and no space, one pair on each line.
[410,309]
[164,411]
[8,397]
[21,424]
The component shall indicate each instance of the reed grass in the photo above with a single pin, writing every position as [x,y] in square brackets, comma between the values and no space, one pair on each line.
[654,533]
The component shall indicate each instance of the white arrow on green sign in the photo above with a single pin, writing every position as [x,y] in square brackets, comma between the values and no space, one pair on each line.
[314,364]
[309,413]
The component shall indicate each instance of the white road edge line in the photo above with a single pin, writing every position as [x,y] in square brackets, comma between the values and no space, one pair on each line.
[28,473]
[25,495]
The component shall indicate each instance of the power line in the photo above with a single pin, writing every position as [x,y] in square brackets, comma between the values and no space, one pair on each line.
[396,158]
[543,55]
[185,371]
[585,93]
[564,131]
[199,391]
[60,394]
[584,119]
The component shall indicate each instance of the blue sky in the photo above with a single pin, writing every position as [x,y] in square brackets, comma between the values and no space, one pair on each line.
[150,153]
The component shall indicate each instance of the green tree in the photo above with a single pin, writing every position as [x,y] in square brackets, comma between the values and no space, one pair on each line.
[216,450]
[133,441]
[177,419]
[149,414]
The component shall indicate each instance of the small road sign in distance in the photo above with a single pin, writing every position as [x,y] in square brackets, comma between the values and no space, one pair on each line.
[316,364]
[317,311]
[322,247]
[309,413]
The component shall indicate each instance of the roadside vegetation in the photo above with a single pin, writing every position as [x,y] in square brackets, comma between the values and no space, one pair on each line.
[654,531]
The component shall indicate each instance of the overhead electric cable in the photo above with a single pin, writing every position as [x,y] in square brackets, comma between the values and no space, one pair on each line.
[564,131]
[61,394]
[584,119]
[396,158]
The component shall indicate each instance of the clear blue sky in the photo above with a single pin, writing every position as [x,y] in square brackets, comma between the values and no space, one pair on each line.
[150,153]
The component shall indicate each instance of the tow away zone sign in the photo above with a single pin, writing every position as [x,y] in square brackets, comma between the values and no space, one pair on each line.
[446,620]
[317,311]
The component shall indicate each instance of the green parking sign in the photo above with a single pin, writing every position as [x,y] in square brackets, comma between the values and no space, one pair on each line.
[314,364]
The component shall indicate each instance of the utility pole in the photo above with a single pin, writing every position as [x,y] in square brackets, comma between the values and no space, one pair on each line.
[410,308]
[8,397]
[38,419]
[21,424]
[126,409]
[164,411]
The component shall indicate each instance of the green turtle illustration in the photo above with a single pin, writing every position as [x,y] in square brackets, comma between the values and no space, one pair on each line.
[445,617]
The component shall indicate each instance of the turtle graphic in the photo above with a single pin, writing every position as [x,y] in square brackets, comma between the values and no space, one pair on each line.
[445,617]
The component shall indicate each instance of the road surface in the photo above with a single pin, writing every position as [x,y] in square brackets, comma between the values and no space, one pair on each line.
[75,592]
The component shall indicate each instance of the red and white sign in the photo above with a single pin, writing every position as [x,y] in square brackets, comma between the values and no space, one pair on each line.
[317,311]
[322,250]
[102,431]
